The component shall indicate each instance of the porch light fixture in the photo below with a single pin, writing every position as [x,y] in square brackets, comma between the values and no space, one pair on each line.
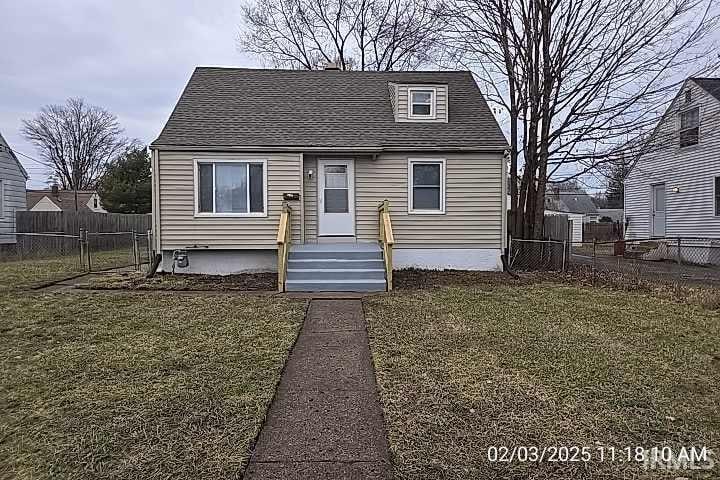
[676,190]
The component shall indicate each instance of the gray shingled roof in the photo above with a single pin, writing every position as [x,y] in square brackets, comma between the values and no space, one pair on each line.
[322,108]
[711,85]
[570,202]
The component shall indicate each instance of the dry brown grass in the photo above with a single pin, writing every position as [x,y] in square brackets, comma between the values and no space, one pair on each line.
[184,282]
[463,369]
[137,386]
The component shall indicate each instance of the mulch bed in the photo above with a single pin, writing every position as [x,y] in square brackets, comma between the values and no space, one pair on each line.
[415,279]
[184,282]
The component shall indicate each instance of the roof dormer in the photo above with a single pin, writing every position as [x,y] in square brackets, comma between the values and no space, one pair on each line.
[419,102]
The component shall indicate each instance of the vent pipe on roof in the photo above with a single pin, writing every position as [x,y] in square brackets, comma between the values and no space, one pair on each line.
[331,66]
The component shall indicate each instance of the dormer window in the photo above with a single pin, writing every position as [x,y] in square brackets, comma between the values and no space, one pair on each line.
[422,103]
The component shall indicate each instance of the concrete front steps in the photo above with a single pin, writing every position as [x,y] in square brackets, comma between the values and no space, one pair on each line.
[336,267]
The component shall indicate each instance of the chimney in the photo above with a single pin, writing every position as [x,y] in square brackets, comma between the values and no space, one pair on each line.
[331,66]
[54,189]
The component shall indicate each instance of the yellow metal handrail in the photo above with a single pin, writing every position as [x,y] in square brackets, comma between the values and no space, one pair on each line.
[283,241]
[387,240]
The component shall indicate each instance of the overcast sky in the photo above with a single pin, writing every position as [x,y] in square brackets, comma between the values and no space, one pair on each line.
[132,57]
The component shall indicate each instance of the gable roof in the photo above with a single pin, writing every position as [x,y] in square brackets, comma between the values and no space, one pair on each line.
[710,85]
[65,199]
[3,143]
[570,202]
[237,107]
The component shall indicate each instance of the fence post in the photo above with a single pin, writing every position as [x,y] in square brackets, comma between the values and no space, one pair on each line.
[594,262]
[564,253]
[87,249]
[133,237]
[82,249]
[679,253]
[149,249]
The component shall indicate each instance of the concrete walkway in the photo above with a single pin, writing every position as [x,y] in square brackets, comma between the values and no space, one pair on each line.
[325,421]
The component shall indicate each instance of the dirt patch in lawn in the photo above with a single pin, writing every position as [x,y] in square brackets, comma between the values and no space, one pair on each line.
[415,279]
[137,386]
[464,369]
[184,282]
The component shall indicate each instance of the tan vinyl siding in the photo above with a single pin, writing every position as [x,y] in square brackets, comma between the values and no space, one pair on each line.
[179,228]
[689,211]
[441,103]
[310,199]
[473,206]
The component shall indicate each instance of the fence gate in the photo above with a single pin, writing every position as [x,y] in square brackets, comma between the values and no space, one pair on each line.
[110,250]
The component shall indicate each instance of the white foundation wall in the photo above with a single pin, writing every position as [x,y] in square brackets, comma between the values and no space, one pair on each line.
[223,262]
[484,259]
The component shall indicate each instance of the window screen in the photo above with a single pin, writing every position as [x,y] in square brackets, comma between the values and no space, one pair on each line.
[690,127]
[421,102]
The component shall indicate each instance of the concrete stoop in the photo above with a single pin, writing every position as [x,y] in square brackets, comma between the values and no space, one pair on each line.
[336,267]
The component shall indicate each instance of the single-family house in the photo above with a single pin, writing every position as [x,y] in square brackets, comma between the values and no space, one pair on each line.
[58,200]
[578,206]
[673,189]
[246,149]
[13,178]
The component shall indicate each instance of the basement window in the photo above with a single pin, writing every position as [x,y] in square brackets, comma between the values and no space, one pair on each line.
[231,188]
[422,103]
[426,186]
[690,127]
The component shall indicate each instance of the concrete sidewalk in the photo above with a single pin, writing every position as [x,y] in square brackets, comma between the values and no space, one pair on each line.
[325,421]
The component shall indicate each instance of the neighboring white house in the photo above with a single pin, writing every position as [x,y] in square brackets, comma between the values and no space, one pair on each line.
[674,189]
[55,200]
[12,191]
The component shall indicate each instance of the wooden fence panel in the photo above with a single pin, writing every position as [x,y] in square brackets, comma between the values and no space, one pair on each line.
[70,223]
[603,231]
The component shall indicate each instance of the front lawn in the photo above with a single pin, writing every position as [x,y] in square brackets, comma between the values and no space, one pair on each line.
[33,272]
[464,369]
[137,386]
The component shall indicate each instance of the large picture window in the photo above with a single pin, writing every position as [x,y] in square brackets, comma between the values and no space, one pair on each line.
[426,186]
[690,127]
[234,188]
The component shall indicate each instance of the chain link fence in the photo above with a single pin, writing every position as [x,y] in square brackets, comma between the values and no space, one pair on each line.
[670,260]
[35,258]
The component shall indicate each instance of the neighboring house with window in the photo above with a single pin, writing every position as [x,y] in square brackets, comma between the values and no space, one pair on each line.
[332,145]
[57,200]
[673,190]
[13,178]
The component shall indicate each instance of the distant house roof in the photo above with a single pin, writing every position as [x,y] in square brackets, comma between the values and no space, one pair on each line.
[711,85]
[237,107]
[64,200]
[570,202]
[4,146]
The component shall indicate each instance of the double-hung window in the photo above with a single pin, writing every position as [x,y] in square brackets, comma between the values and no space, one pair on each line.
[690,127]
[422,102]
[231,188]
[426,186]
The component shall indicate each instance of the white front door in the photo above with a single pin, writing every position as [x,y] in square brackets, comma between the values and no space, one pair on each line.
[658,210]
[336,197]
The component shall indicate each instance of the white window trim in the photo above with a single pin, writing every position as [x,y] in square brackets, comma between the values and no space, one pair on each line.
[682,111]
[441,162]
[433,102]
[196,174]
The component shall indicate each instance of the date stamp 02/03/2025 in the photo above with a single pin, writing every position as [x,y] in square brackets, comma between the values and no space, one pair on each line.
[651,458]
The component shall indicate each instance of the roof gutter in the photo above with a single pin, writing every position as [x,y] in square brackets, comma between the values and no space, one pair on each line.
[303,148]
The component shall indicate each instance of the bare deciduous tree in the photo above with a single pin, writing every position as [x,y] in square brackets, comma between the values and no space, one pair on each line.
[356,34]
[77,142]
[581,80]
